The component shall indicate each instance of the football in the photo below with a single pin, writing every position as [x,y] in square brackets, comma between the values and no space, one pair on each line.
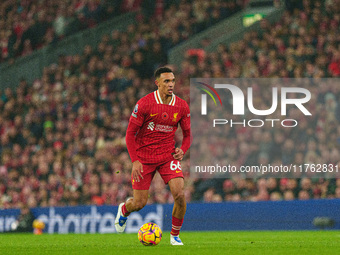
[150,234]
[38,224]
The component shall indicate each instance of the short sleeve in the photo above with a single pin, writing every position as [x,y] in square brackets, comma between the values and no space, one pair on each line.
[138,114]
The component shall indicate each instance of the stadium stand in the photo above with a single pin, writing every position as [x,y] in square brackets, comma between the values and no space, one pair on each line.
[62,138]
[29,25]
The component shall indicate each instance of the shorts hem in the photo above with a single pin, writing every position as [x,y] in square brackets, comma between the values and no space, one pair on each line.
[140,188]
[174,178]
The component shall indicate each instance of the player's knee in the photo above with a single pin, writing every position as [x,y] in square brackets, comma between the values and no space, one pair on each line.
[179,198]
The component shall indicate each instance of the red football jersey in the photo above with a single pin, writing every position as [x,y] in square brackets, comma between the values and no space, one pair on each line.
[158,123]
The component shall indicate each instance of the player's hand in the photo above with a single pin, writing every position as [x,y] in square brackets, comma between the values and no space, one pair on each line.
[179,154]
[137,170]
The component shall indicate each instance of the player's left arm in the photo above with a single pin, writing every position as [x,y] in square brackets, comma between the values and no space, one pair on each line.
[187,137]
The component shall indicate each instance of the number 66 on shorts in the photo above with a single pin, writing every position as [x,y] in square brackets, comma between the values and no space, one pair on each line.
[168,170]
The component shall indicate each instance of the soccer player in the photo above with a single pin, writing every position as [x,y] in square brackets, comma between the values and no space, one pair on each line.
[150,142]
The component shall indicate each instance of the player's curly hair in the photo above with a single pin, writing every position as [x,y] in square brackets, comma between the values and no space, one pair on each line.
[161,70]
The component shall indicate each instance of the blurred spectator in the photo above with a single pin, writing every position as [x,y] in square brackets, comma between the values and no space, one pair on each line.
[24,223]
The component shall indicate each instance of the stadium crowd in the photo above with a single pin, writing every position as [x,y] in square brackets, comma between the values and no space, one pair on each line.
[28,25]
[63,137]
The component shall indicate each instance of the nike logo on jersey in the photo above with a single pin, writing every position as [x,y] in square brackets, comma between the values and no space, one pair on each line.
[153,114]
[178,172]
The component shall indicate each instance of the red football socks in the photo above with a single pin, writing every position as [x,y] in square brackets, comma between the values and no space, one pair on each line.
[176,226]
[125,211]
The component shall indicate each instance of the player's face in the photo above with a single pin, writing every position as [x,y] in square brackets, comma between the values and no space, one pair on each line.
[166,84]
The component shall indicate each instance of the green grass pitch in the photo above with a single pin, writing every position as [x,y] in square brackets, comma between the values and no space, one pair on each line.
[231,242]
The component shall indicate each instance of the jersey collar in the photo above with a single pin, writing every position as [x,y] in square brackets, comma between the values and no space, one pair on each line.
[159,99]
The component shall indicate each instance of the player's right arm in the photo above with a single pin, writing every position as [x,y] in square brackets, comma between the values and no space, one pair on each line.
[137,167]
[135,122]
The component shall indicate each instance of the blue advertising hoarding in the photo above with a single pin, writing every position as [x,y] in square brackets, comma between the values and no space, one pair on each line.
[268,215]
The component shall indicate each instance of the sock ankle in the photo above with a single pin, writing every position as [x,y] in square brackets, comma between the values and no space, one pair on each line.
[125,212]
[176,226]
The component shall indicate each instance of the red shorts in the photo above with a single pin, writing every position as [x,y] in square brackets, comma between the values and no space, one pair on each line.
[169,170]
